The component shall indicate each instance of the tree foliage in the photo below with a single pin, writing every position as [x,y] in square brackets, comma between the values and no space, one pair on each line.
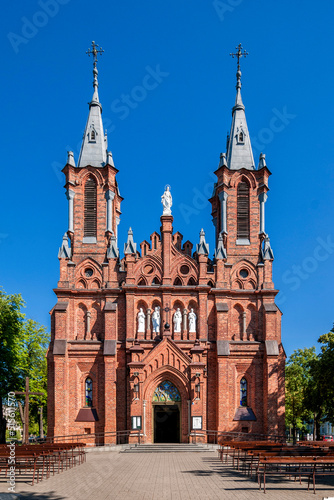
[297,380]
[323,374]
[11,321]
[309,385]
[23,345]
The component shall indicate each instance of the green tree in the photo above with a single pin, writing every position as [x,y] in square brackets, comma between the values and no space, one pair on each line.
[32,346]
[320,393]
[297,381]
[23,345]
[11,319]
[327,361]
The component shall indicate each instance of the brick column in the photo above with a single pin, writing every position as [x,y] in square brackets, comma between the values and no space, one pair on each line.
[167,239]
[202,320]
[110,393]
[222,320]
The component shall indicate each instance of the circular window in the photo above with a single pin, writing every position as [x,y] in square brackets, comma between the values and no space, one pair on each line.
[243,273]
[88,272]
[184,269]
[148,269]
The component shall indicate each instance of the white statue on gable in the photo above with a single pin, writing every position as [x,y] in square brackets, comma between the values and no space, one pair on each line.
[177,320]
[192,321]
[156,319]
[141,321]
[167,201]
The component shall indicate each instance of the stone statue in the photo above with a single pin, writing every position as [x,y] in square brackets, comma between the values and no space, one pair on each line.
[141,321]
[177,320]
[156,319]
[167,202]
[192,321]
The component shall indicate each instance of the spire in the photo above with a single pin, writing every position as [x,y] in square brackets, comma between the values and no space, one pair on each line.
[222,160]
[94,145]
[262,161]
[64,250]
[266,251]
[202,248]
[220,252]
[70,158]
[112,252]
[130,246]
[239,149]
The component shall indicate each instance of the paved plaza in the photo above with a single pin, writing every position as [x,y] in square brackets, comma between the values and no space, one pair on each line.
[160,476]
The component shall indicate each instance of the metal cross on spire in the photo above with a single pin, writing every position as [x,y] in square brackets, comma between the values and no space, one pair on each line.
[94,51]
[239,54]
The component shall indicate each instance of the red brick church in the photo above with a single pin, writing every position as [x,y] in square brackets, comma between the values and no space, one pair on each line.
[165,340]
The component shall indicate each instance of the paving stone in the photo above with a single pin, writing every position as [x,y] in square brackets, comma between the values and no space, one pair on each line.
[170,476]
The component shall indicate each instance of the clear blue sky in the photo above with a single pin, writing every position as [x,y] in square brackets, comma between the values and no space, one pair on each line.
[172,133]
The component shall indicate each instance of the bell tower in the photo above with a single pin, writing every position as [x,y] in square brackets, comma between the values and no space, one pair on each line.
[81,358]
[249,349]
[240,193]
[91,187]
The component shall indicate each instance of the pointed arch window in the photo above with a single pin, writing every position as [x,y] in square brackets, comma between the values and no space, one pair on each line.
[166,392]
[90,208]
[89,392]
[92,135]
[243,211]
[243,392]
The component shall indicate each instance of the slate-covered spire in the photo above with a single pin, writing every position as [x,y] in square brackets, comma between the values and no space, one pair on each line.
[220,252]
[239,149]
[94,144]
[130,246]
[202,248]
[266,251]
[64,251]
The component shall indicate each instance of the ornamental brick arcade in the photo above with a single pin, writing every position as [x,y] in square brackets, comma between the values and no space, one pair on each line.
[165,340]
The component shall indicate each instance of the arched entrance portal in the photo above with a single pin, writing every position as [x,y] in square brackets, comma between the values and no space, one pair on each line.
[166,413]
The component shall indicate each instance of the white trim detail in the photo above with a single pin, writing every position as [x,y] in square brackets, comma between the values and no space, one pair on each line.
[262,199]
[110,195]
[70,196]
[223,208]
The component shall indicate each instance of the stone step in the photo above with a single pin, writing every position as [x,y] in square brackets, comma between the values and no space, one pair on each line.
[167,448]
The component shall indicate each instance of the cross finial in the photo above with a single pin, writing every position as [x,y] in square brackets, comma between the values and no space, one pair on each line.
[239,54]
[94,51]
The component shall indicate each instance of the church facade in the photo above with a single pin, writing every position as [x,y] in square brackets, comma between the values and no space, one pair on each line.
[164,340]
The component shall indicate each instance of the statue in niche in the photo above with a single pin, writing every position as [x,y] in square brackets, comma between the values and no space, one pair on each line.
[192,321]
[156,319]
[167,201]
[177,320]
[141,321]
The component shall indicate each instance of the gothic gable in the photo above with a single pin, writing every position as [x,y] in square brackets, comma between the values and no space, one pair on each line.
[88,274]
[166,353]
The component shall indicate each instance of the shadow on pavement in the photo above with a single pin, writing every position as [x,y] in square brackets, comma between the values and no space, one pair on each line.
[50,495]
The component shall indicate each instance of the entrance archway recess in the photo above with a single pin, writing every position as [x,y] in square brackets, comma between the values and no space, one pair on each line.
[166,406]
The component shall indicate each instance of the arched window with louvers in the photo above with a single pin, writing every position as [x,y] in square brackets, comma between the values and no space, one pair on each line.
[90,209]
[243,212]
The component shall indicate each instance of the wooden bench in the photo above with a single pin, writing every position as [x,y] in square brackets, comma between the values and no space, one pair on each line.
[297,466]
[40,458]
